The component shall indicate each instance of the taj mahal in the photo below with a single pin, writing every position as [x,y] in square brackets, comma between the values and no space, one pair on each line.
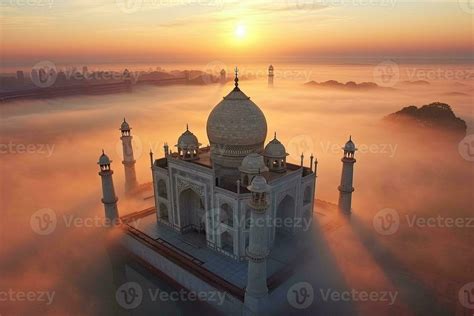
[218,194]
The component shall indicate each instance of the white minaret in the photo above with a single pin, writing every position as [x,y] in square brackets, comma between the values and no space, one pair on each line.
[270,76]
[128,159]
[346,188]
[108,192]
[256,291]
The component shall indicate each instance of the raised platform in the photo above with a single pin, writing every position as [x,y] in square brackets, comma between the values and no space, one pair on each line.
[191,252]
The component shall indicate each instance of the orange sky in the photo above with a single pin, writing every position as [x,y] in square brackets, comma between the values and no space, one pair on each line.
[178,30]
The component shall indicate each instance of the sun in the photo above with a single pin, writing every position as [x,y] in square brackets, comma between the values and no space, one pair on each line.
[240,31]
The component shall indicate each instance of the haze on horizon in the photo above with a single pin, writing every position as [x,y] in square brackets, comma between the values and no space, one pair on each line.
[202,30]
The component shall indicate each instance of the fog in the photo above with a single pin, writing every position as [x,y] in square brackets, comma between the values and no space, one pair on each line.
[413,172]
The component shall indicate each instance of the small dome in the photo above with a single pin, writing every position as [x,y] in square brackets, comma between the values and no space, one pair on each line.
[253,164]
[104,159]
[188,140]
[125,126]
[259,184]
[275,149]
[270,68]
[349,146]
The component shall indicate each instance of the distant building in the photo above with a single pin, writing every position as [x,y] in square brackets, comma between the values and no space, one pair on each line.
[20,77]
[270,76]
[223,76]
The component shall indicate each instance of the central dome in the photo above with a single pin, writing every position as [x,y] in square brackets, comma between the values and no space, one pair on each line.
[236,128]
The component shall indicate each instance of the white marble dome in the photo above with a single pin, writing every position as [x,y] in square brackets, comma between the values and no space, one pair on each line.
[188,140]
[259,184]
[236,127]
[253,164]
[275,149]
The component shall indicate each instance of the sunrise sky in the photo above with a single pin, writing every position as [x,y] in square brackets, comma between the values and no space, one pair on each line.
[184,30]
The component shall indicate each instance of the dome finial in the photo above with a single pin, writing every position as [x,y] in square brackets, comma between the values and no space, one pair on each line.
[236,80]
[124,120]
[350,137]
[187,126]
[103,153]
[275,136]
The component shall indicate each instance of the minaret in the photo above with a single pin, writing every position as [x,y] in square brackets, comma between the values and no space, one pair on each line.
[256,291]
[108,192]
[222,78]
[270,76]
[128,159]
[346,188]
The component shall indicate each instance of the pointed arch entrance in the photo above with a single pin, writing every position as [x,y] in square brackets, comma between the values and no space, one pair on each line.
[285,211]
[192,212]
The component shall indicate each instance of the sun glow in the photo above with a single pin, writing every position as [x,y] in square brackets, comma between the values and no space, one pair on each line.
[240,31]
